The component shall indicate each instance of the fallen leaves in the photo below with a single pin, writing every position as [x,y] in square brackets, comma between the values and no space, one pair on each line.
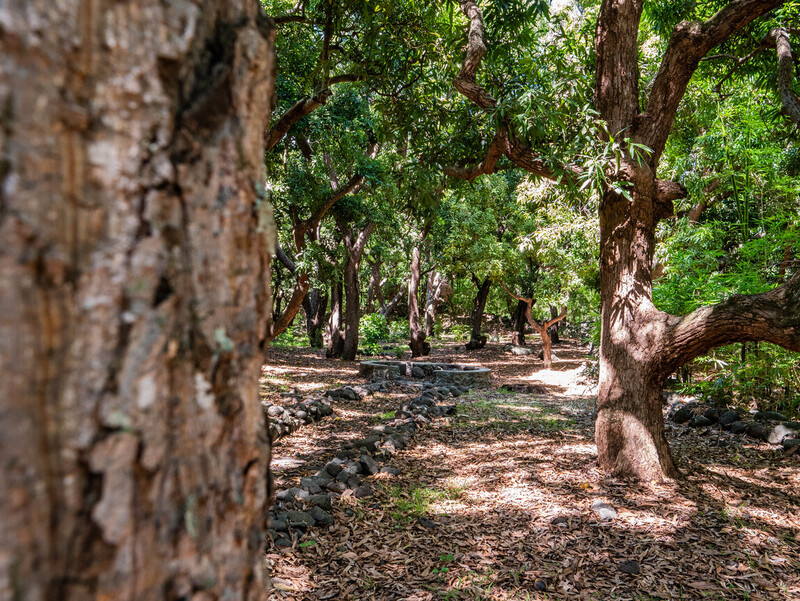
[522,526]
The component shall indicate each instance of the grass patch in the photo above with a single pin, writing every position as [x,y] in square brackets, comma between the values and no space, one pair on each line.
[500,412]
[408,504]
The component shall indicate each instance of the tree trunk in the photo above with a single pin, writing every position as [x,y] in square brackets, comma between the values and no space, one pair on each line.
[518,322]
[355,243]
[553,330]
[476,340]
[434,296]
[335,334]
[391,306]
[133,300]
[419,347]
[375,292]
[630,425]
[314,305]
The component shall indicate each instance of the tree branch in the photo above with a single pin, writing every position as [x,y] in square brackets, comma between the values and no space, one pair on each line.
[773,316]
[791,105]
[302,108]
[690,41]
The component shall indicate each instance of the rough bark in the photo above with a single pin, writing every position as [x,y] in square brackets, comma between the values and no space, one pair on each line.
[133,299]
[476,340]
[418,345]
[314,304]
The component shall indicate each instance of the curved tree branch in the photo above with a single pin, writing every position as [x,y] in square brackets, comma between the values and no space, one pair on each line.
[302,108]
[773,316]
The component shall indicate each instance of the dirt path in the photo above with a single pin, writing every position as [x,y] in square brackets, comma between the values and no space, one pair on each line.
[496,503]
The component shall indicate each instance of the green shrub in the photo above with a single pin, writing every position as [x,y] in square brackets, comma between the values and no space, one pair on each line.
[373,330]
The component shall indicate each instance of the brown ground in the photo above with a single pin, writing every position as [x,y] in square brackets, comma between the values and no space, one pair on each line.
[491,480]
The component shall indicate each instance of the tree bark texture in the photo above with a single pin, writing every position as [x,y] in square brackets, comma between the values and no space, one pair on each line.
[133,299]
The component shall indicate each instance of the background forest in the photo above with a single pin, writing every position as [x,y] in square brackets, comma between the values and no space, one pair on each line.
[377,180]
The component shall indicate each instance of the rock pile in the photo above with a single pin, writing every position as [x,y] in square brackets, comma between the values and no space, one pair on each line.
[303,410]
[766,426]
[308,505]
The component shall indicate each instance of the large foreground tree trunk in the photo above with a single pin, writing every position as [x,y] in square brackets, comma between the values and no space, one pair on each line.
[134,461]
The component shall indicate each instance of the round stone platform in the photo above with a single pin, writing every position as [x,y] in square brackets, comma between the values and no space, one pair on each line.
[439,373]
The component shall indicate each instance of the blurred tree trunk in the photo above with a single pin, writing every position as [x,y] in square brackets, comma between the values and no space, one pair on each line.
[133,299]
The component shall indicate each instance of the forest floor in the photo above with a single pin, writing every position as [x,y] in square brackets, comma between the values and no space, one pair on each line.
[496,502]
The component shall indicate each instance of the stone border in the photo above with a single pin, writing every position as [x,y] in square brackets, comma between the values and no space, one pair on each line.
[765,426]
[302,507]
[440,373]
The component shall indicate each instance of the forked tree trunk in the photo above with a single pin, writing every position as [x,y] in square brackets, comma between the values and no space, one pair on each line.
[134,457]
[315,304]
[641,346]
[476,340]
[418,345]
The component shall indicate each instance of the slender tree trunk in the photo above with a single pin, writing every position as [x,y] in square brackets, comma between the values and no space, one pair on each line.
[375,293]
[314,305]
[553,330]
[476,340]
[518,323]
[418,345]
[133,300]
[335,334]
[434,294]
[391,306]
[355,242]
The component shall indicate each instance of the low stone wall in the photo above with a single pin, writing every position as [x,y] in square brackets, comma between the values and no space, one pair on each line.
[439,373]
